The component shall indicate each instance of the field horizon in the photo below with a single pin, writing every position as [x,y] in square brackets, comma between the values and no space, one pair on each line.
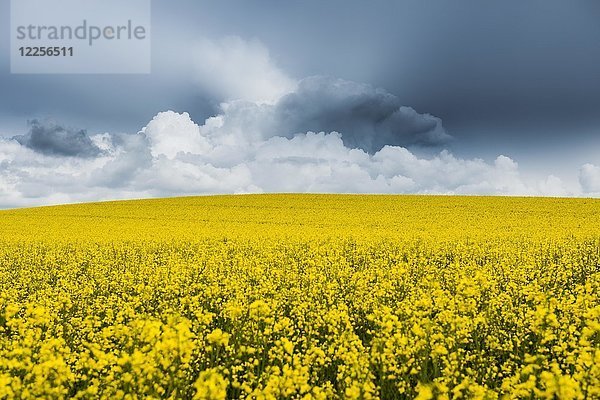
[354,214]
[306,194]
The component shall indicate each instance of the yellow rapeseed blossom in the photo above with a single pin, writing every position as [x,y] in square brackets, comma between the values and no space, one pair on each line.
[302,297]
[210,385]
[218,337]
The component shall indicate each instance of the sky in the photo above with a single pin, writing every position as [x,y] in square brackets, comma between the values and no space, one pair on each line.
[399,96]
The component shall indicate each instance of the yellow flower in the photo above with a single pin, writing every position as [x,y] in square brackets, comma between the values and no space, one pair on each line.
[218,337]
[210,385]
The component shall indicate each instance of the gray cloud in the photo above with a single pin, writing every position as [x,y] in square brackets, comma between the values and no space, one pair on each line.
[589,178]
[368,118]
[269,103]
[50,138]
[127,155]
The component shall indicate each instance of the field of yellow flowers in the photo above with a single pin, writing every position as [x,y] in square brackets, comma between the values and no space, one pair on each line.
[302,297]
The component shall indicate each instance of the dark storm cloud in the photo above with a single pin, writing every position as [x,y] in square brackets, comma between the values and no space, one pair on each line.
[367,118]
[503,76]
[50,138]
[514,73]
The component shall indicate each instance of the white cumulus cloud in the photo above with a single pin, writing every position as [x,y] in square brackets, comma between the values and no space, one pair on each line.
[173,155]
[170,133]
[589,178]
[232,68]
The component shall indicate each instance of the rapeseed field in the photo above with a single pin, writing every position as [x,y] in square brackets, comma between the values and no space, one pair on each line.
[302,297]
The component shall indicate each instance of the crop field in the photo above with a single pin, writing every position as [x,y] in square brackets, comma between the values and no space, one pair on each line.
[302,297]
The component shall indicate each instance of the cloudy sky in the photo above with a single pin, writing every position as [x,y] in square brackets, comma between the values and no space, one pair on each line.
[319,96]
